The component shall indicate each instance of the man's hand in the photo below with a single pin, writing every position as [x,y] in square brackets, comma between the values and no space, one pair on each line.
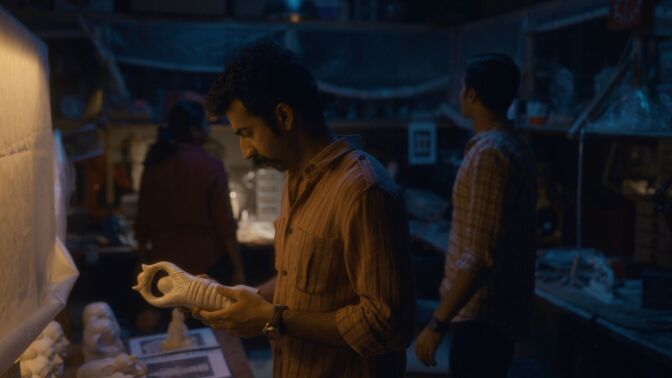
[246,316]
[425,346]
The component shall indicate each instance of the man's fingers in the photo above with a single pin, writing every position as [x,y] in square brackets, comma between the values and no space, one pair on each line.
[425,357]
[420,352]
[425,354]
[214,315]
[431,355]
[220,325]
[229,292]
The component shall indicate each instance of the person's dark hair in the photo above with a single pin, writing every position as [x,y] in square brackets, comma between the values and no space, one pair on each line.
[182,117]
[261,76]
[495,78]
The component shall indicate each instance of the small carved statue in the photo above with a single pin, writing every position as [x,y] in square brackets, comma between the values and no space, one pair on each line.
[177,336]
[44,357]
[55,332]
[35,365]
[101,340]
[98,310]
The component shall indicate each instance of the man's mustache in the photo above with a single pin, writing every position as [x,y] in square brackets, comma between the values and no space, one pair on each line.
[262,160]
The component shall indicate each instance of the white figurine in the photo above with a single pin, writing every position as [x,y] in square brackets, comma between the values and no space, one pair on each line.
[55,332]
[39,366]
[44,357]
[98,310]
[58,368]
[44,346]
[40,359]
[101,340]
[179,288]
[178,334]
[127,366]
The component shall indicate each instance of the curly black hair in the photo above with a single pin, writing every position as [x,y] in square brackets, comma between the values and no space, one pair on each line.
[261,76]
[495,78]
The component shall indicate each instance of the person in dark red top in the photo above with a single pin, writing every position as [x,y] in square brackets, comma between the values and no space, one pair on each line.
[184,210]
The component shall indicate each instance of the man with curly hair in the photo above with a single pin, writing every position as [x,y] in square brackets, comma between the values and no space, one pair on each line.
[342,302]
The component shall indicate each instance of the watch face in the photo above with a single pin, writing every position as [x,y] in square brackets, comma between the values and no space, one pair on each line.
[272,332]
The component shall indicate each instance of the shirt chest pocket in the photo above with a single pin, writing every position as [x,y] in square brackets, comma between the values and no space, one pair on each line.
[317,263]
[279,226]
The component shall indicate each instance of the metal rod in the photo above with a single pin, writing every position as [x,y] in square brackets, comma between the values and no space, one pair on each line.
[579,207]
[589,112]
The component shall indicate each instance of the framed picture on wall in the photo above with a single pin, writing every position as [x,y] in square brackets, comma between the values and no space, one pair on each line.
[421,143]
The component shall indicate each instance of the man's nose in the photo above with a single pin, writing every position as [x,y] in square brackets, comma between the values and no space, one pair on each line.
[247,150]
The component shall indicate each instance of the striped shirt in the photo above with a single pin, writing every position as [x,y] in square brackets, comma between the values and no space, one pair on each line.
[342,246]
[493,230]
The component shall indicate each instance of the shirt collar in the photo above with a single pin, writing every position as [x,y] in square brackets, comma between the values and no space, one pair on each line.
[330,154]
[483,134]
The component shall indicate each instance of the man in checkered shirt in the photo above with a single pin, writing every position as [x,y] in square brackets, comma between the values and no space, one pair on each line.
[487,291]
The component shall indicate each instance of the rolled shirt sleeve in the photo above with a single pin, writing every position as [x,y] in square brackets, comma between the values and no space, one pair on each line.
[489,172]
[378,265]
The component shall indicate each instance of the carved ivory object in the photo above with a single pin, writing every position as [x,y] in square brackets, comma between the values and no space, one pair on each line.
[177,336]
[36,367]
[98,310]
[122,365]
[101,332]
[45,347]
[179,288]
[54,331]
[101,340]
[44,357]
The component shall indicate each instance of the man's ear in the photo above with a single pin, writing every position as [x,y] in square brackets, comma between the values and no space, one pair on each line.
[284,116]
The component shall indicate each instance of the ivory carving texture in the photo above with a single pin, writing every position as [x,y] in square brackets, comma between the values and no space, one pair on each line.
[44,357]
[179,288]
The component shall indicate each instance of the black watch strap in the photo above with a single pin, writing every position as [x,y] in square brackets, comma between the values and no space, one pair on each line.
[276,320]
[435,325]
[275,328]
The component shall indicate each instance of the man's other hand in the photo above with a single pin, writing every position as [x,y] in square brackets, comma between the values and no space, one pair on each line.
[245,316]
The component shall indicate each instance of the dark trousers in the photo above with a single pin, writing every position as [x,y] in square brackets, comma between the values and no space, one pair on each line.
[479,350]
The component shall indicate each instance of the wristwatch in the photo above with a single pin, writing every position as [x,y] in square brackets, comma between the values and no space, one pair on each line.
[435,325]
[275,328]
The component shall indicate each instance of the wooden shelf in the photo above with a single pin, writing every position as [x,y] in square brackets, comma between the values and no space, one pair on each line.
[545,129]
[631,133]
